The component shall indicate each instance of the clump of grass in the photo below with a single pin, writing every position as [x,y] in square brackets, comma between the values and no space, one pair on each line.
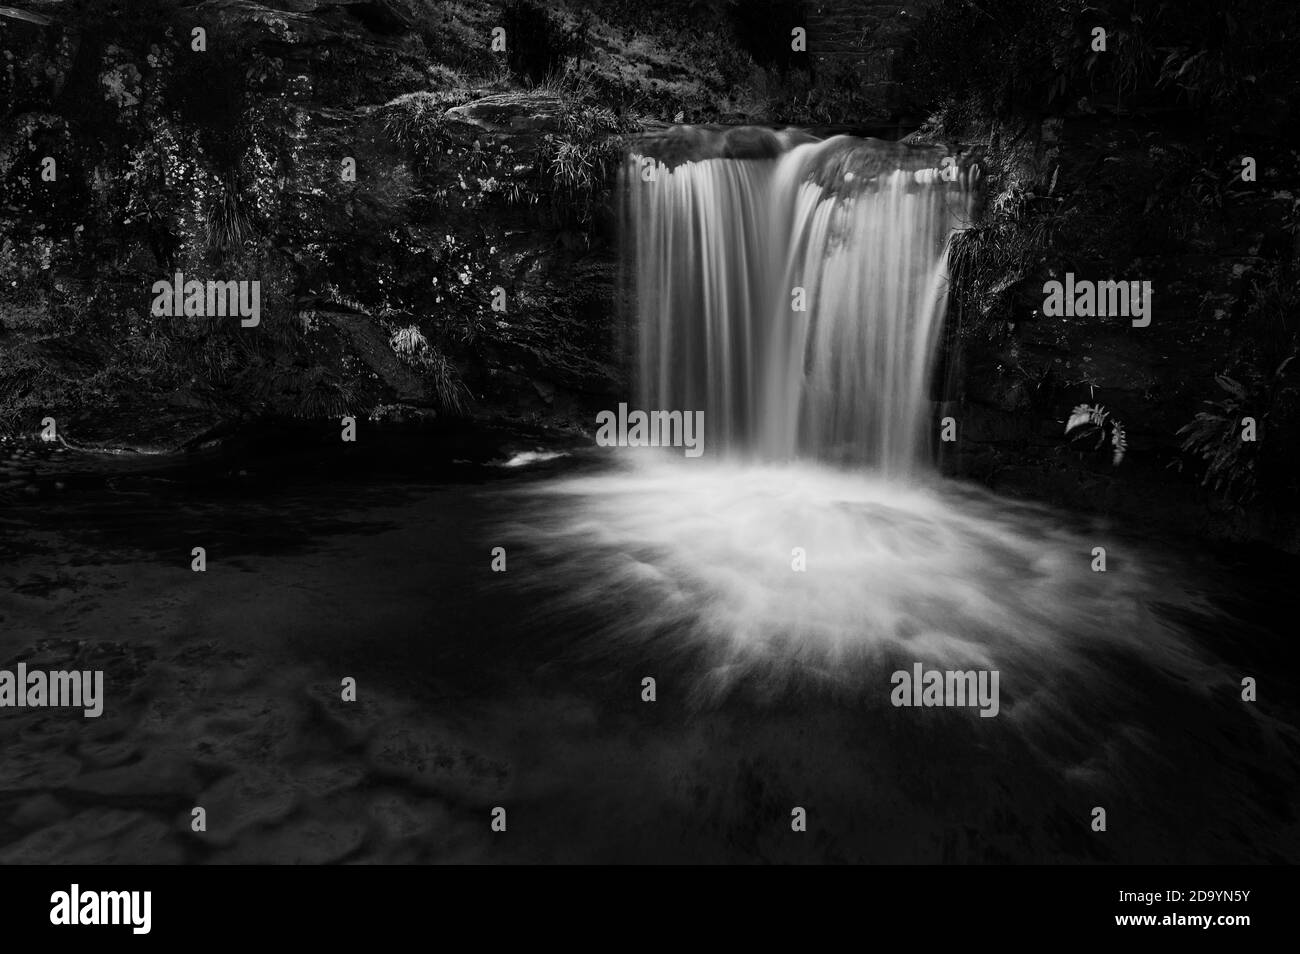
[451,391]
[228,222]
[408,342]
[414,348]
[986,261]
[416,121]
[583,155]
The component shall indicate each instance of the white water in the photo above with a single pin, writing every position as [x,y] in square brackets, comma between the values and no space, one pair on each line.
[821,421]
[697,557]
[718,247]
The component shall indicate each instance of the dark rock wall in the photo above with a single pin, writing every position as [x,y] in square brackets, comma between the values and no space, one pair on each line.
[864,39]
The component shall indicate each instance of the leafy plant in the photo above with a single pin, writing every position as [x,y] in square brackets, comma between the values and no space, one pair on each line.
[987,261]
[1216,435]
[1260,383]
[583,156]
[228,223]
[415,121]
[414,348]
[408,342]
[1093,422]
[447,385]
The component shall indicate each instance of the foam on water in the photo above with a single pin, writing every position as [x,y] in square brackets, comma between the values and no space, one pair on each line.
[687,567]
[817,425]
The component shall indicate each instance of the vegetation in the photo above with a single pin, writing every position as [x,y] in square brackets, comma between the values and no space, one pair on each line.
[1127,162]
[1247,438]
[227,163]
[1025,58]
[1007,246]
[1092,422]
[581,158]
[412,346]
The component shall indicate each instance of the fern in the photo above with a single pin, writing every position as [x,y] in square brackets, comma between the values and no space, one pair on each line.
[1088,421]
[1214,435]
[414,348]
[1118,443]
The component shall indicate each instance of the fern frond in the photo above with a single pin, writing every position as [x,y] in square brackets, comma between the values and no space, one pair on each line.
[1081,415]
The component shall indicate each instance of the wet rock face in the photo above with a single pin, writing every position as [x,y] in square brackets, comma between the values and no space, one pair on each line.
[551,351]
[864,156]
[515,116]
[678,144]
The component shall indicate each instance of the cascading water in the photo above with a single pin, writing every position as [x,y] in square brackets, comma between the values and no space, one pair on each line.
[808,546]
[796,300]
[776,586]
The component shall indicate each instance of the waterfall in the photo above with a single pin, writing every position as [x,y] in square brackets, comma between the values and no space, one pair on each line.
[718,249]
[768,566]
